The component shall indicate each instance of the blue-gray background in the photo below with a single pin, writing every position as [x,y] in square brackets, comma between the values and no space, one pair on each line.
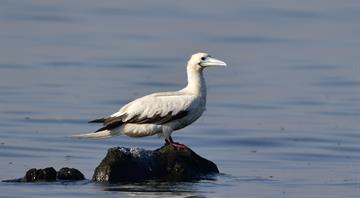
[282,119]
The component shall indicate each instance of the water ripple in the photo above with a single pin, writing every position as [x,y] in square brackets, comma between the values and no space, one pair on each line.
[340,113]
[315,67]
[159,84]
[292,13]
[335,82]
[314,157]
[249,106]
[251,40]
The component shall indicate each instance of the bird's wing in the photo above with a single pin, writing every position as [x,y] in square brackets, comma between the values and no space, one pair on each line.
[155,108]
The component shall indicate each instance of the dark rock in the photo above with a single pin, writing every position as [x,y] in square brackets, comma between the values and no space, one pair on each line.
[166,163]
[49,174]
[123,164]
[46,174]
[69,174]
[183,164]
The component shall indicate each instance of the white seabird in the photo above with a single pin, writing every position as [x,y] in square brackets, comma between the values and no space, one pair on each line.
[164,112]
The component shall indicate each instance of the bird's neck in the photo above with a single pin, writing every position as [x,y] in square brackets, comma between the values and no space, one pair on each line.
[196,82]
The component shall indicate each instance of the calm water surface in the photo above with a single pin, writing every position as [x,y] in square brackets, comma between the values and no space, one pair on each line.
[282,119]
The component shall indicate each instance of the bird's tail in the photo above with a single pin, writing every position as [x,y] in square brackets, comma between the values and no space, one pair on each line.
[98,134]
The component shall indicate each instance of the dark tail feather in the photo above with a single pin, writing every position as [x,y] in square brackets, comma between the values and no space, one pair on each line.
[101,129]
[101,120]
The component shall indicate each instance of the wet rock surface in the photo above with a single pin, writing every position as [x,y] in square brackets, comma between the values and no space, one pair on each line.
[49,175]
[166,163]
[46,174]
[69,174]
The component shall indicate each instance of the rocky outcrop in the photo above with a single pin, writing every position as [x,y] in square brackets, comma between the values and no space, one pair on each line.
[133,165]
[46,174]
[166,163]
[72,174]
[49,175]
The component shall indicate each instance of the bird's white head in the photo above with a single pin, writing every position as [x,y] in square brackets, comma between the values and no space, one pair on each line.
[201,60]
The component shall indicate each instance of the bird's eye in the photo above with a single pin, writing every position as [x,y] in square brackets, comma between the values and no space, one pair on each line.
[203,58]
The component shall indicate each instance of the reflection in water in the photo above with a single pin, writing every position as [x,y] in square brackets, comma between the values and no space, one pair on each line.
[152,188]
[184,189]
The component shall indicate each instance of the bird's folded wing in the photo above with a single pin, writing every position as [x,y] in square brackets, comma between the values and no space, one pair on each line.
[155,109]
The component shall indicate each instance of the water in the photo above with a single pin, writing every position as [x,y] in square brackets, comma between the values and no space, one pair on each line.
[282,119]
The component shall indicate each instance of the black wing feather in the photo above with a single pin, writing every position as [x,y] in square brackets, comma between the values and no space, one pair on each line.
[101,120]
[113,122]
[109,123]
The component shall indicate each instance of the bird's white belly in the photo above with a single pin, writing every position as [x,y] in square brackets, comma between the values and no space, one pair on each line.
[140,130]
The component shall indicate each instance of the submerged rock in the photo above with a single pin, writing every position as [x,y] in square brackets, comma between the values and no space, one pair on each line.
[166,163]
[49,174]
[46,174]
[69,174]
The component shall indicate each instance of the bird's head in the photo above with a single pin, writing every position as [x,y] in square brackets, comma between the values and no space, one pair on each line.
[201,60]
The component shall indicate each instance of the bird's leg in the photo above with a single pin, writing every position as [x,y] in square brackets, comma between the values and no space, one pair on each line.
[167,141]
[170,141]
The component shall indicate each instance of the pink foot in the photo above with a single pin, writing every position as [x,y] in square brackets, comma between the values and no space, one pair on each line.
[178,145]
[174,144]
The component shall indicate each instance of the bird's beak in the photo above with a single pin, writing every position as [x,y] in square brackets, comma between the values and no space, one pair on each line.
[212,62]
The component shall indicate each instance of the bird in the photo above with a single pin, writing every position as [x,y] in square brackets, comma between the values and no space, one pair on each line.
[163,112]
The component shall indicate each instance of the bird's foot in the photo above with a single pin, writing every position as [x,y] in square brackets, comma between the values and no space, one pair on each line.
[178,145]
[169,141]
